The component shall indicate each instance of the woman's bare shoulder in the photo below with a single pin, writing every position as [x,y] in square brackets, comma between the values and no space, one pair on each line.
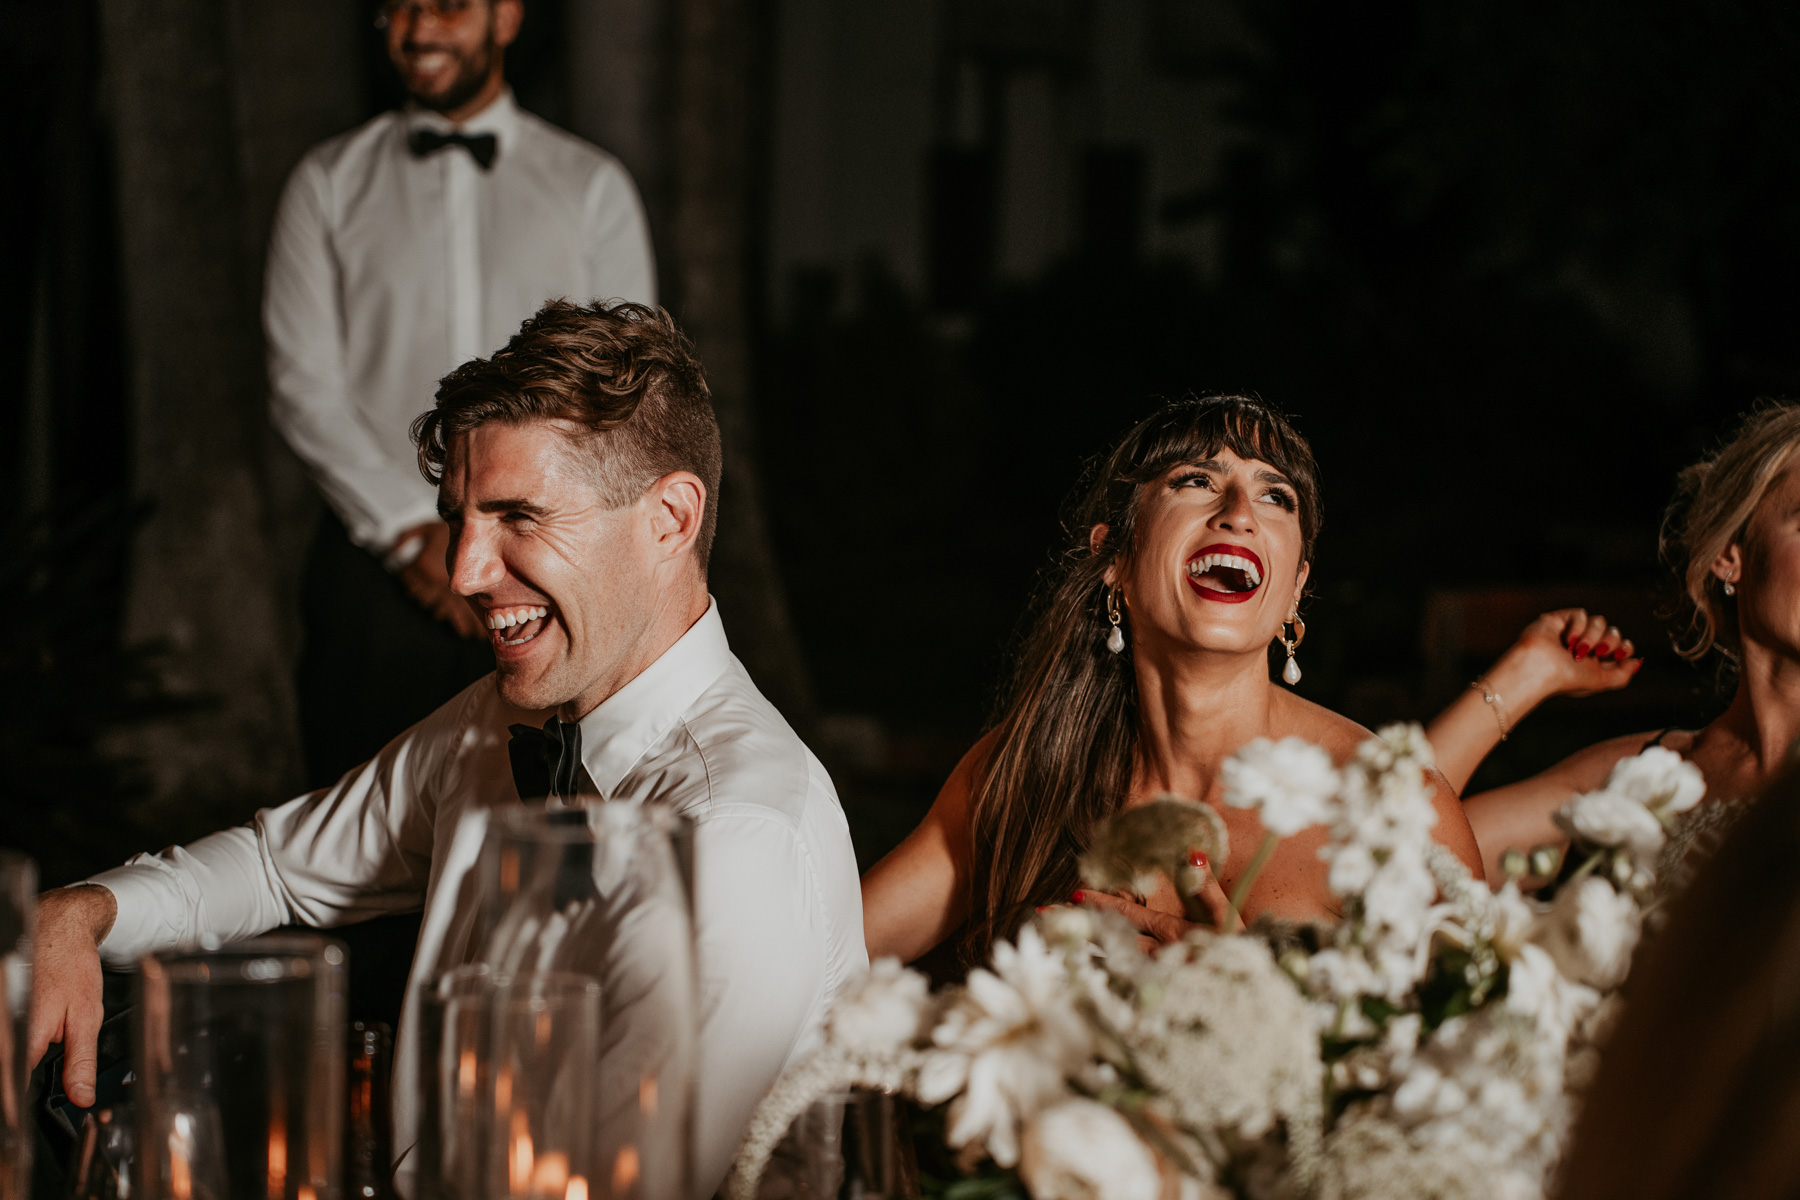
[1338,734]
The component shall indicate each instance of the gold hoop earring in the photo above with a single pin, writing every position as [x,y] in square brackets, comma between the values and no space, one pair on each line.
[1290,674]
[1115,637]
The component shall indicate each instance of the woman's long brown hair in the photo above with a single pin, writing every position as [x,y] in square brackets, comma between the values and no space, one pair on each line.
[1066,739]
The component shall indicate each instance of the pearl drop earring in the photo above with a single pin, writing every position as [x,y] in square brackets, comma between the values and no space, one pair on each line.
[1290,674]
[1115,637]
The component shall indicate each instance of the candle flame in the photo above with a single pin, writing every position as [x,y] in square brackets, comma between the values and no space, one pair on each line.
[625,1171]
[465,1073]
[577,1189]
[277,1160]
[519,1160]
[647,1095]
[551,1174]
[181,1145]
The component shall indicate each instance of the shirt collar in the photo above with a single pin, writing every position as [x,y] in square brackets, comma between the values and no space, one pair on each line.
[637,716]
[500,118]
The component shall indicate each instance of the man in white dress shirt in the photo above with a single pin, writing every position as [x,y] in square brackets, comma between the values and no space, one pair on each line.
[411,244]
[578,468]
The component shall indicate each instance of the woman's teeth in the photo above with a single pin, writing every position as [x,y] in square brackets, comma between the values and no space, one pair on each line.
[516,617]
[1229,562]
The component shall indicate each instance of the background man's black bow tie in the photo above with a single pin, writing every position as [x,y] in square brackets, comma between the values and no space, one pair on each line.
[481,146]
[547,761]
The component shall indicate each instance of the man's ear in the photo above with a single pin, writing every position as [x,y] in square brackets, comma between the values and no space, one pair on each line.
[1729,566]
[677,506]
[508,15]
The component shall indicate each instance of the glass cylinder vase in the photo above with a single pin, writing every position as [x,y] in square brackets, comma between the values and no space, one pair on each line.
[598,890]
[240,1069]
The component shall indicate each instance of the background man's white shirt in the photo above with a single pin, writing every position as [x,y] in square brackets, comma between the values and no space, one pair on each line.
[388,270]
[778,900]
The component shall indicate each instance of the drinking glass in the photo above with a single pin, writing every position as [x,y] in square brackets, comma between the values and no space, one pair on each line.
[240,1069]
[106,1156]
[847,1146]
[597,890]
[18,904]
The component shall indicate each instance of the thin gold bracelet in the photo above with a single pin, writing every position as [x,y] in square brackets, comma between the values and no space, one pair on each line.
[1495,703]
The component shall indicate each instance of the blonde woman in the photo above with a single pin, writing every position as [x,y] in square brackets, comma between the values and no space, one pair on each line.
[1732,536]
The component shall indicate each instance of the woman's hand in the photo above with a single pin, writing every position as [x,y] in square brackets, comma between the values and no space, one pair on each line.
[1158,928]
[1569,652]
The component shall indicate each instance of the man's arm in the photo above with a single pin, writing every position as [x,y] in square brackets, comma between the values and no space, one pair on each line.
[356,850]
[378,499]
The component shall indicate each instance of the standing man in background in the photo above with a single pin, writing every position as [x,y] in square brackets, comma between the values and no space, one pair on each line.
[402,248]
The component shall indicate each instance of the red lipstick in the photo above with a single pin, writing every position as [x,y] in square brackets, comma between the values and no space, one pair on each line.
[1217,594]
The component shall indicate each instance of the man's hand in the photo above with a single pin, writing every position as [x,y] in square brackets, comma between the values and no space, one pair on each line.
[65,982]
[427,578]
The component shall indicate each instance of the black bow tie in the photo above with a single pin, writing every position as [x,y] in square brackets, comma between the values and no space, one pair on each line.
[481,146]
[546,762]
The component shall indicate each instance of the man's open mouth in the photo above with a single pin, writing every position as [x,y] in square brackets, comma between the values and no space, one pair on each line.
[1225,572]
[516,626]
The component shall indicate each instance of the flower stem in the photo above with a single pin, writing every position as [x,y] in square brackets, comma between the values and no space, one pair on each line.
[1242,891]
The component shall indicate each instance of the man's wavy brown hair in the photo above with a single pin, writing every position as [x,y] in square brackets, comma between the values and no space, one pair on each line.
[624,374]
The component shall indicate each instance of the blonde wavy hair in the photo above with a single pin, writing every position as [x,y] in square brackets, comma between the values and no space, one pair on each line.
[1714,501]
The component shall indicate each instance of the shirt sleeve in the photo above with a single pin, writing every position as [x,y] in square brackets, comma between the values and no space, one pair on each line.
[766,976]
[359,849]
[621,264]
[377,498]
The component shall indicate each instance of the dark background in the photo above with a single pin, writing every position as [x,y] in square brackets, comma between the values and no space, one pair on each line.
[1510,265]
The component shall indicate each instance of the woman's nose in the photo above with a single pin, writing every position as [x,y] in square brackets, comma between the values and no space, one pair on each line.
[1237,512]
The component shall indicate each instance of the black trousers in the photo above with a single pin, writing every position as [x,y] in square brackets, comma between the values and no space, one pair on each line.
[373,662]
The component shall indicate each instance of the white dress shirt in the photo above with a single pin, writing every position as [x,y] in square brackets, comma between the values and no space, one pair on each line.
[778,903]
[388,270]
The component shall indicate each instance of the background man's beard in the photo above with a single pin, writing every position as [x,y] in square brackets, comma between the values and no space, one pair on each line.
[471,77]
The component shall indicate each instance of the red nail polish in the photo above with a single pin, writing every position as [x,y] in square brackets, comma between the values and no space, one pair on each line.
[1619,655]
[1043,908]
[1198,859]
[1076,898]
[1602,651]
[1581,649]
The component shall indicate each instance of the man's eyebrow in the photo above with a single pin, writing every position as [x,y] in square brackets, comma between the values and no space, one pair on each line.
[518,506]
[1273,477]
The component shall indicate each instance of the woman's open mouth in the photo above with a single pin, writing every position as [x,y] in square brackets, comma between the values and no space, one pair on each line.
[1226,573]
[518,624]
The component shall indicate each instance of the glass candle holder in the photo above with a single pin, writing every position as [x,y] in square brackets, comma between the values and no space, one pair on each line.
[240,1069]
[599,890]
[848,1145]
[18,905]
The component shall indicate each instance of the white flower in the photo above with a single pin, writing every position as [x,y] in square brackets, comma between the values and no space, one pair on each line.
[883,1012]
[1609,818]
[1082,1150]
[1290,782]
[1659,779]
[1591,932]
[1007,1045]
[1536,989]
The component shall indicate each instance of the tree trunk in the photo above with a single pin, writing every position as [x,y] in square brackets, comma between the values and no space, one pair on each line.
[201,578]
[710,191]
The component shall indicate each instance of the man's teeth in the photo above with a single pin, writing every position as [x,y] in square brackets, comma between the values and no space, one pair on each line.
[1235,562]
[516,616]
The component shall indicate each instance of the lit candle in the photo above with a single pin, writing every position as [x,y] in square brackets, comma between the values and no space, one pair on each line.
[519,1161]
[551,1174]
[625,1171]
[577,1189]
[181,1148]
[277,1159]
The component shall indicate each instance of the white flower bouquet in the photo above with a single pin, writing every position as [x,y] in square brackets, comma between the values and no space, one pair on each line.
[1432,1043]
